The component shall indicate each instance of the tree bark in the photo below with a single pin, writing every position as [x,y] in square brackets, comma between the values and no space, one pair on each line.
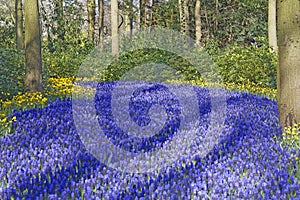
[19,25]
[217,14]
[33,55]
[181,16]
[186,17]
[131,21]
[198,33]
[114,27]
[127,22]
[272,25]
[288,77]
[91,6]
[100,20]
[153,15]
[143,16]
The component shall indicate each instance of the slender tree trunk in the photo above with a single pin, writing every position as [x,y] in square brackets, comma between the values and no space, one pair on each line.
[100,20]
[127,22]
[288,79]
[217,14]
[206,28]
[131,20]
[272,25]
[91,6]
[19,25]
[143,16]
[153,15]
[198,33]
[181,16]
[33,56]
[186,17]
[114,27]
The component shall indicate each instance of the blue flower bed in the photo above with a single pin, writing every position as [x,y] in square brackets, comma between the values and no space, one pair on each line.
[45,158]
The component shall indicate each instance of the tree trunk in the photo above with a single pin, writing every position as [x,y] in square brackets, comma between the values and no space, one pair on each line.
[181,16]
[217,15]
[127,22]
[100,20]
[114,27]
[131,20]
[153,14]
[272,25]
[143,16]
[19,25]
[128,17]
[288,77]
[198,33]
[33,56]
[206,27]
[91,19]
[186,17]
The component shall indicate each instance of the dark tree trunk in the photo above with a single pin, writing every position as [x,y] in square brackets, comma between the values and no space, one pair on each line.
[19,25]
[91,19]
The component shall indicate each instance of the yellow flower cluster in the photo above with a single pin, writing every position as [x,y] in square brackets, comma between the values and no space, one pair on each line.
[292,134]
[60,86]
[65,87]
[291,139]
[253,88]
[20,100]
[7,123]
[6,104]
[248,87]
[29,99]
[4,122]
[80,91]
[2,118]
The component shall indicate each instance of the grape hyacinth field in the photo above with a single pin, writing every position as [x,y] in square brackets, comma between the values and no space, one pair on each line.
[45,158]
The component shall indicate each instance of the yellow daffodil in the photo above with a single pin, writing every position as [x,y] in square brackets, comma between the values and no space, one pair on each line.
[14,118]
[3,120]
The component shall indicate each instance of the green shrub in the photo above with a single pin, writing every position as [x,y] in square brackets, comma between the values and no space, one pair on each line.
[151,65]
[66,57]
[239,63]
[12,72]
[291,140]
[242,63]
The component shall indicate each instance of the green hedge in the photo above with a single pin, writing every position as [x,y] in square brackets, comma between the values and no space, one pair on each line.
[12,72]
[150,65]
[244,63]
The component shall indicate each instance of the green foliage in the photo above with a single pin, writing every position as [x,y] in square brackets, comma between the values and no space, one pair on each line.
[63,54]
[12,72]
[231,20]
[66,61]
[291,140]
[166,14]
[242,64]
[7,27]
[151,65]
